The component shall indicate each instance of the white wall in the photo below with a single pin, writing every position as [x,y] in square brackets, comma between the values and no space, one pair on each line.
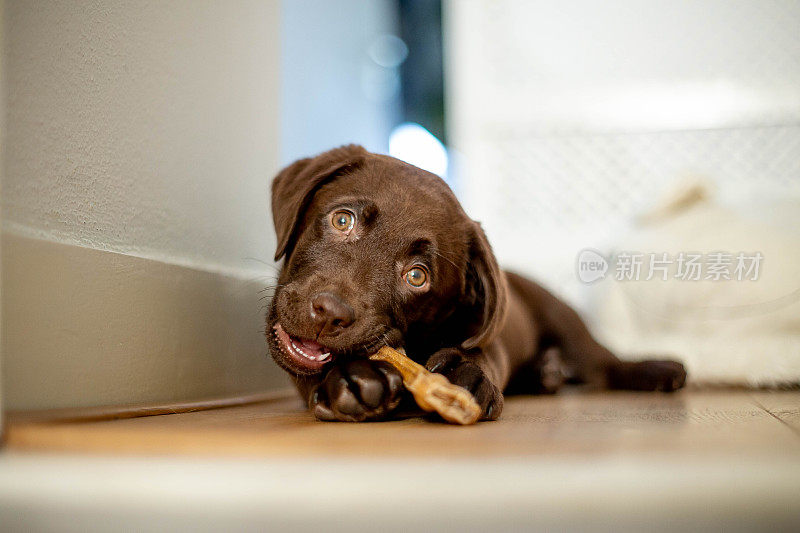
[148,128]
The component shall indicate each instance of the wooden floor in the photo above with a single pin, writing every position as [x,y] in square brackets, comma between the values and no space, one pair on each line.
[573,424]
[691,461]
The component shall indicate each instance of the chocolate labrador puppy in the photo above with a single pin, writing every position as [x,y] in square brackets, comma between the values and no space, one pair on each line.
[377,251]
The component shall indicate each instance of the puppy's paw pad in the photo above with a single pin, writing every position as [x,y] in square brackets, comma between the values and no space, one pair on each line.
[357,391]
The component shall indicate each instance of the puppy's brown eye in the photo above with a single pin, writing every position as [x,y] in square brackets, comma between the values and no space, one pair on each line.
[343,220]
[417,277]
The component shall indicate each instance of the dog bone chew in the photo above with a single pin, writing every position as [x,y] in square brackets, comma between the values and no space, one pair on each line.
[432,392]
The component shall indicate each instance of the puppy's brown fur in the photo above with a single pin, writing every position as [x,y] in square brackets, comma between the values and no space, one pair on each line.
[346,293]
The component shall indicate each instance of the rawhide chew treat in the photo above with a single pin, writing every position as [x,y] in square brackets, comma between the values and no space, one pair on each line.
[432,392]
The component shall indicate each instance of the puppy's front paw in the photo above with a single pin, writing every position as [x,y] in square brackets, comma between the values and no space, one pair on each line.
[358,391]
[658,375]
[465,373]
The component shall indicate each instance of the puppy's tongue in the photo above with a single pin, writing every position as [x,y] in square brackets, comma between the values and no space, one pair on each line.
[310,347]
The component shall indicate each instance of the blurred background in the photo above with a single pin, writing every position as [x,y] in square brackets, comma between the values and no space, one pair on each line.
[556,124]
[139,141]
[653,127]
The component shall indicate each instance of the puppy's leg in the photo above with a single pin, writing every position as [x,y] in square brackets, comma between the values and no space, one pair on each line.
[480,372]
[656,374]
[585,359]
[593,363]
[542,375]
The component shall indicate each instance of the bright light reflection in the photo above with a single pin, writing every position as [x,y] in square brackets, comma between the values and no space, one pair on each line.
[414,144]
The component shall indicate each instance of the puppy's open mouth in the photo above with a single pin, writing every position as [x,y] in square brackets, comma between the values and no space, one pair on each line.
[307,354]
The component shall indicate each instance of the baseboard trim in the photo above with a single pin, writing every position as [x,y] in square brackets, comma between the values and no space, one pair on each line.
[85,328]
[119,412]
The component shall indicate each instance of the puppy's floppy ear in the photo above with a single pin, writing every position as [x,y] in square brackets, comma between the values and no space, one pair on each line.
[486,290]
[294,186]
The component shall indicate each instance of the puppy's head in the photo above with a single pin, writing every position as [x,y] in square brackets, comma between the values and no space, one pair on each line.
[376,251]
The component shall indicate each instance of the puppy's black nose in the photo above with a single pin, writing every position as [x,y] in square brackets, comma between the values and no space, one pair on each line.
[330,313]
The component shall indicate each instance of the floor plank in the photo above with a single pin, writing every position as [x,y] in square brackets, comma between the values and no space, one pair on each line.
[692,423]
[784,407]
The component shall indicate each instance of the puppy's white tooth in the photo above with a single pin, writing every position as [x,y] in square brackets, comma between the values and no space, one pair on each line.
[324,356]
